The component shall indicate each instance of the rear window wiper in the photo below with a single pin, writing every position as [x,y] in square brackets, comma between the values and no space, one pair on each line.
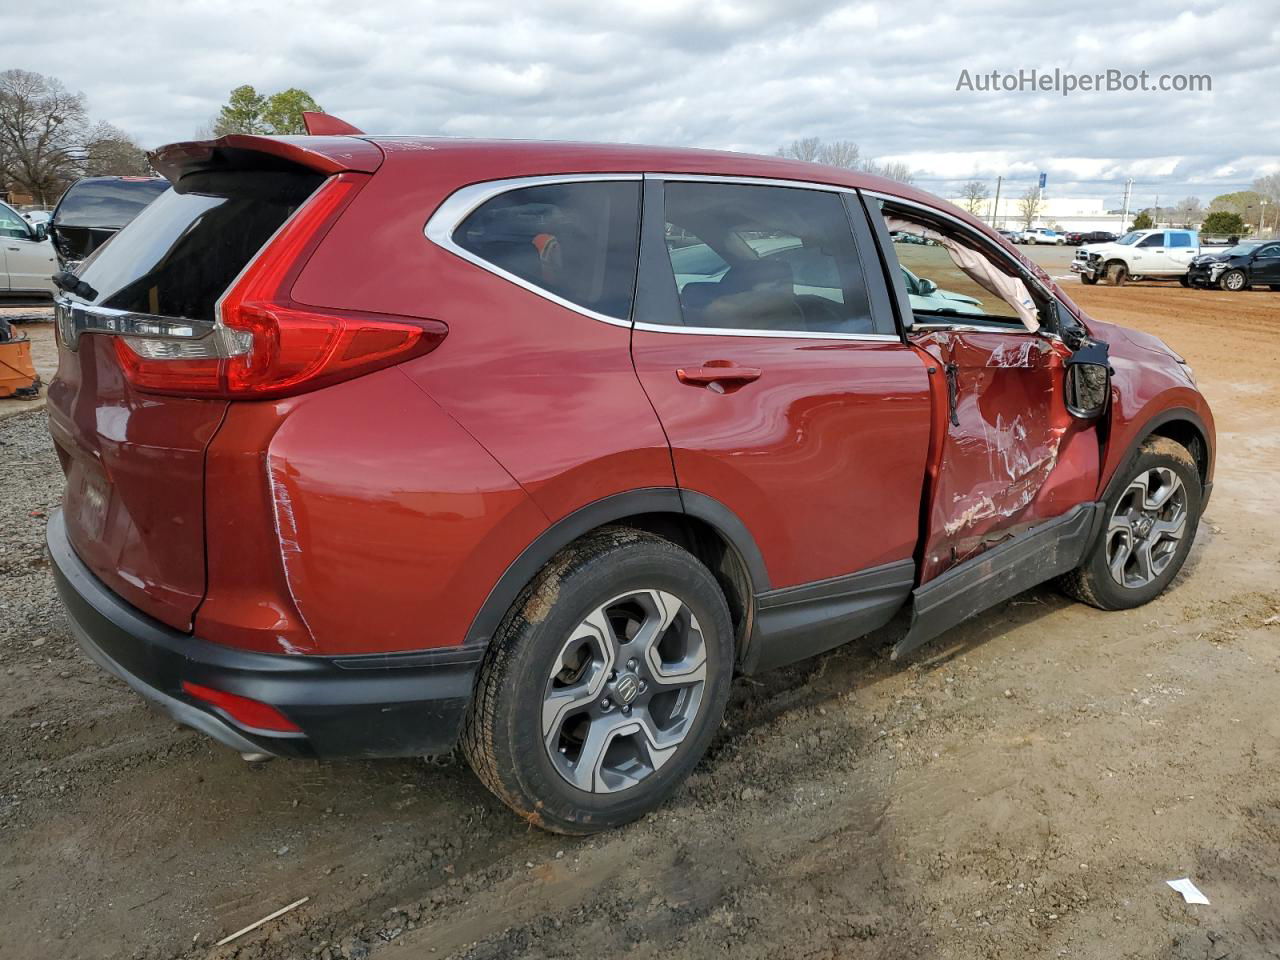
[68,281]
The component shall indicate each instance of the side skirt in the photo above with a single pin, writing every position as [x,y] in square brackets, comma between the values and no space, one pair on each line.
[793,623]
[1045,551]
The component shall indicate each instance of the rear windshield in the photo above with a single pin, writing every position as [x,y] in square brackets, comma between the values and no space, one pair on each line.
[185,249]
[107,203]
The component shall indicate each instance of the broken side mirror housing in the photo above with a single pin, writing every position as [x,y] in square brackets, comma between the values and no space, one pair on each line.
[1088,385]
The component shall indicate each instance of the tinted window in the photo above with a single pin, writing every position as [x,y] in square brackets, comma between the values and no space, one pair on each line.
[182,252]
[1179,239]
[765,258]
[578,241]
[107,203]
[1155,240]
[1271,250]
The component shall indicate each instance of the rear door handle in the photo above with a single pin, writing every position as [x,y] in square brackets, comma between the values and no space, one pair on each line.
[711,373]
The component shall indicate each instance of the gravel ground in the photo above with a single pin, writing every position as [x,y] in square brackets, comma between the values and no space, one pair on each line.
[1021,788]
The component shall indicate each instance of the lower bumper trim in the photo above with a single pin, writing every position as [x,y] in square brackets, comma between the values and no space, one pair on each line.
[360,706]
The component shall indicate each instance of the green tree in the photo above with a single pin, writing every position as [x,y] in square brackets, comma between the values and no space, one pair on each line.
[1143,221]
[1238,202]
[242,113]
[1223,223]
[247,111]
[283,112]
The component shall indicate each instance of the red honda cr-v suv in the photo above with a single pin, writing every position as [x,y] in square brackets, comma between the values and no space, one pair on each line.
[375,444]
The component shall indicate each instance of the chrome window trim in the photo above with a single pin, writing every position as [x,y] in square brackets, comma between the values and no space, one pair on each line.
[788,334]
[466,200]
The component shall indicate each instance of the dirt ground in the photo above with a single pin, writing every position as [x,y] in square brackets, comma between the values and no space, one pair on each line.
[1021,788]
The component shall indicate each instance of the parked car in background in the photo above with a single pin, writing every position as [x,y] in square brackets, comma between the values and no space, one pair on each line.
[27,261]
[1011,235]
[94,208]
[1163,254]
[36,216]
[1248,264]
[378,445]
[1075,238]
[1043,235]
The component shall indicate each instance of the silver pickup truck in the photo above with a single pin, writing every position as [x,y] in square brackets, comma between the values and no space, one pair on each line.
[1164,254]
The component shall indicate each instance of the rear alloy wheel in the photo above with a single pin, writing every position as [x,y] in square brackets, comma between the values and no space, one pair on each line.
[604,685]
[1117,274]
[1151,523]
[1234,280]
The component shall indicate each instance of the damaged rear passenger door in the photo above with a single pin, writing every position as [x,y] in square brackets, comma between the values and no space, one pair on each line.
[1007,455]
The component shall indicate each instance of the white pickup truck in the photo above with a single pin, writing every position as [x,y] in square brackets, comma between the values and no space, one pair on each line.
[1164,254]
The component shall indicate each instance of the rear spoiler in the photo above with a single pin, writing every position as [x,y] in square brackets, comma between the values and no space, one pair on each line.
[323,154]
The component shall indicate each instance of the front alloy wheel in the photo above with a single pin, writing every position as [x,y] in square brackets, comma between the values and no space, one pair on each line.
[1146,527]
[1233,280]
[1151,524]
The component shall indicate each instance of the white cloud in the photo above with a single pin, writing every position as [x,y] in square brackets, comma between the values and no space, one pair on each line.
[745,75]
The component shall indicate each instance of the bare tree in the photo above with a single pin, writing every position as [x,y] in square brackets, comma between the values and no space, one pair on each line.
[974,193]
[1029,206]
[41,126]
[840,153]
[806,148]
[843,153]
[1187,212]
[894,170]
[110,152]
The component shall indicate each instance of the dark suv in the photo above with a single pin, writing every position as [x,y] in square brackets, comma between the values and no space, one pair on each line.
[377,444]
[94,208]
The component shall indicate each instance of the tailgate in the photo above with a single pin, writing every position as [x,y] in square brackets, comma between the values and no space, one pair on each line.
[134,454]
[134,503]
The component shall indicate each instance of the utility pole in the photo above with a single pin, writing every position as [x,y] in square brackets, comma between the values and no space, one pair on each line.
[1124,217]
[995,207]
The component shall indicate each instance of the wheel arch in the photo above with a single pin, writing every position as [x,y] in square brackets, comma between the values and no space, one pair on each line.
[1181,425]
[699,523]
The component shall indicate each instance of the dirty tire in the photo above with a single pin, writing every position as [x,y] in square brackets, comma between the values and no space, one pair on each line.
[1184,281]
[1234,280]
[1092,582]
[1117,274]
[503,735]
[1088,279]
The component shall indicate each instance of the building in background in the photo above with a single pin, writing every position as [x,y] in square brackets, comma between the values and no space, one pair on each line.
[1064,214]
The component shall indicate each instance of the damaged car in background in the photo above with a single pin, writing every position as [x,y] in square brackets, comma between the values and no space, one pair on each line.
[375,446]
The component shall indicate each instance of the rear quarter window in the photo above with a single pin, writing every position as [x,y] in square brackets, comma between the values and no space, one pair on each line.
[578,241]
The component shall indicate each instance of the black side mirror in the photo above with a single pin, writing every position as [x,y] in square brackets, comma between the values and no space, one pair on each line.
[1088,385]
[42,231]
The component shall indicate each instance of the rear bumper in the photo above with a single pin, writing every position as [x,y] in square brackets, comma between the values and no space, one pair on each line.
[382,705]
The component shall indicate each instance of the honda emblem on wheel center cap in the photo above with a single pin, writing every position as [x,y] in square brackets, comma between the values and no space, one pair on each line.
[627,688]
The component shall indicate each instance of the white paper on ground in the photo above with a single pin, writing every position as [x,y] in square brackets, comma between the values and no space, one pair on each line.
[1190,892]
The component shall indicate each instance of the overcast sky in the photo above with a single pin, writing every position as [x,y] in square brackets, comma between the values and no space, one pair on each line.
[743,75]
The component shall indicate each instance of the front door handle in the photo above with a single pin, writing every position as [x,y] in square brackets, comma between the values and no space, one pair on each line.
[712,372]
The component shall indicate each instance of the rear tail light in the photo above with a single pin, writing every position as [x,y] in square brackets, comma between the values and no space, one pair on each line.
[266,345]
[246,712]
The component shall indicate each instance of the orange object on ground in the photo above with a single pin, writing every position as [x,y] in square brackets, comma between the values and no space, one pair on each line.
[17,372]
